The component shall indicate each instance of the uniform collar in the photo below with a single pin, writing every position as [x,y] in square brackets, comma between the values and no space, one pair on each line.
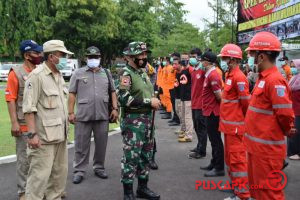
[90,69]
[233,71]
[268,71]
[209,71]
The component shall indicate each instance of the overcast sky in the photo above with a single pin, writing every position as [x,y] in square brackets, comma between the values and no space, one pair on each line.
[198,9]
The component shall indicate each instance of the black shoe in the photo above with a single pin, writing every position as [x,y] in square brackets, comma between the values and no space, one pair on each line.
[162,112]
[174,124]
[214,173]
[153,165]
[128,192]
[285,164]
[77,179]
[101,174]
[194,150]
[171,121]
[196,155]
[144,192]
[167,116]
[208,168]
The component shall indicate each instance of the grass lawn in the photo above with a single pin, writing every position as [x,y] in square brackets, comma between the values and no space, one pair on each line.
[7,143]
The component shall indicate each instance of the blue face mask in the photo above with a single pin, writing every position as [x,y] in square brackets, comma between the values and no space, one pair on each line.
[282,63]
[200,66]
[251,62]
[294,71]
[193,61]
[158,62]
[62,63]
[164,63]
[171,60]
[224,65]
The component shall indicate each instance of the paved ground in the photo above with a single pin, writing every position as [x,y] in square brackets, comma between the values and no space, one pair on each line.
[175,179]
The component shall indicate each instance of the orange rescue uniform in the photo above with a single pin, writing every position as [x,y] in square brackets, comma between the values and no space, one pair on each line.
[234,104]
[169,77]
[288,72]
[11,91]
[269,118]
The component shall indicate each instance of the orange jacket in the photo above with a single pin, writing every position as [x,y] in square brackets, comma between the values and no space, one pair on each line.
[270,115]
[169,77]
[234,104]
[288,72]
[159,76]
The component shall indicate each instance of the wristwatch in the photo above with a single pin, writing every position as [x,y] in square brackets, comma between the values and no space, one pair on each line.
[29,135]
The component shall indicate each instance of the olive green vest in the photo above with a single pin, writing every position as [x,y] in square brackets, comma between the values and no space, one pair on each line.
[141,86]
[22,75]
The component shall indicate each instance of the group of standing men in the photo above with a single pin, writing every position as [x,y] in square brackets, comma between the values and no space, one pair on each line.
[41,105]
[254,126]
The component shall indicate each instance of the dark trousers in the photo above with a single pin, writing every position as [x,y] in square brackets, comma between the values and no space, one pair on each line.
[294,142]
[175,116]
[212,124]
[200,129]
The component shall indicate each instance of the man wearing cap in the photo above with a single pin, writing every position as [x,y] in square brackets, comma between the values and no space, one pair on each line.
[31,53]
[284,61]
[89,88]
[211,110]
[46,115]
[136,97]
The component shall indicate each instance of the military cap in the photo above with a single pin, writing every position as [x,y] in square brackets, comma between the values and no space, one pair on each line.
[135,48]
[92,51]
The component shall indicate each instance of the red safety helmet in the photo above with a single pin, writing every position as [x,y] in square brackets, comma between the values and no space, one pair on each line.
[264,41]
[232,51]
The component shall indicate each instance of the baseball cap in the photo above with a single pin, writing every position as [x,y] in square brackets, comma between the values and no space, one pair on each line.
[30,45]
[209,56]
[55,45]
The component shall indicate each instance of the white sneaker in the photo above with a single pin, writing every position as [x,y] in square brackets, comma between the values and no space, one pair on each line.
[294,157]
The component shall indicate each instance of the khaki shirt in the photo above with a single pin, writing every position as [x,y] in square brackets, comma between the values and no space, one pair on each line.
[45,95]
[91,89]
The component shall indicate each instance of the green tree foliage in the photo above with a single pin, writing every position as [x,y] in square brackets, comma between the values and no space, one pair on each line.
[108,24]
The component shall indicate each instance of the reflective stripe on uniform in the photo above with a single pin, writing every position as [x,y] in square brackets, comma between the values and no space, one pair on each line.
[238,174]
[218,91]
[263,141]
[245,97]
[263,111]
[282,106]
[231,122]
[230,101]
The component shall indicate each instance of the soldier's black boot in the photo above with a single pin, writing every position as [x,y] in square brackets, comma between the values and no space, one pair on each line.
[144,192]
[153,164]
[128,192]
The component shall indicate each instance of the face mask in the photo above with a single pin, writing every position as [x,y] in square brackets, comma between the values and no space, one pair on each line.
[251,62]
[282,63]
[224,65]
[93,63]
[171,60]
[200,66]
[184,62]
[294,71]
[36,60]
[137,62]
[164,63]
[158,62]
[193,61]
[61,64]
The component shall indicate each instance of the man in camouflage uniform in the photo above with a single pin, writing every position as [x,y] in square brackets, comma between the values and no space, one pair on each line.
[136,97]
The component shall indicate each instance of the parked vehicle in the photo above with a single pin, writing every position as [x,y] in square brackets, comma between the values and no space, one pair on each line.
[68,71]
[5,68]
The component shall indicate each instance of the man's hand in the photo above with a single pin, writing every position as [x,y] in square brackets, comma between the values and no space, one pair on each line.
[292,132]
[155,103]
[114,115]
[72,118]
[15,130]
[34,143]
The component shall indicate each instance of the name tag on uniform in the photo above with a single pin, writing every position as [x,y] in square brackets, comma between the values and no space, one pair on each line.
[261,84]
[228,82]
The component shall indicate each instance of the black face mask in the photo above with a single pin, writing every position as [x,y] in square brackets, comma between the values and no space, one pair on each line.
[137,62]
[184,62]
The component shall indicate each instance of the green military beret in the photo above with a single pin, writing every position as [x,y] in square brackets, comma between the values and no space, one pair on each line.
[135,48]
[92,51]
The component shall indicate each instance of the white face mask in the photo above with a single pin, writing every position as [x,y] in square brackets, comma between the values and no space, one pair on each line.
[93,63]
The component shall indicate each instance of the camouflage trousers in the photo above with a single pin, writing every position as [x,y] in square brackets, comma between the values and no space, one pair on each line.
[137,147]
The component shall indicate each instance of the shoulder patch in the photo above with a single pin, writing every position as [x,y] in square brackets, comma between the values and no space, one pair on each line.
[125,81]
[280,90]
